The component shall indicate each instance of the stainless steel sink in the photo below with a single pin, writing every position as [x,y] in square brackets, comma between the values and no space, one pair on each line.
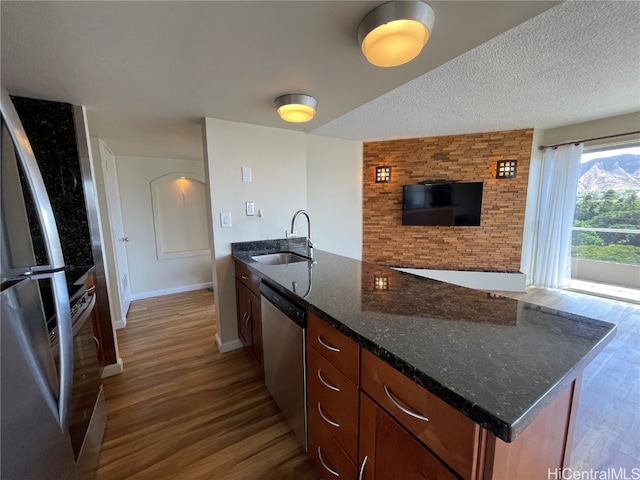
[281,258]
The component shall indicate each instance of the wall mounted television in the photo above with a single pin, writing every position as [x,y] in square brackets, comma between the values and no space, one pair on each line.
[442,203]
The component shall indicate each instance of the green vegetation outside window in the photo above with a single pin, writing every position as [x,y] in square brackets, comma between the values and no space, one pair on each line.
[607,216]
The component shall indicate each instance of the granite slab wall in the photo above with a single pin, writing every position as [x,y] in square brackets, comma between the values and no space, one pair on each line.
[52,135]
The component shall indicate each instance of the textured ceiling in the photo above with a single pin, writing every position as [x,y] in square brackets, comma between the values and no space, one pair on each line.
[149,71]
[577,62]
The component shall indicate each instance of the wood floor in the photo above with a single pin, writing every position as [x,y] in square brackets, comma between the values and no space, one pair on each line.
[182,410]
[608,422]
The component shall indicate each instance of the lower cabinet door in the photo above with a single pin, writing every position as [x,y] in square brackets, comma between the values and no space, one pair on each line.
[388,452]
[243,308]
[327,454]
[256,328]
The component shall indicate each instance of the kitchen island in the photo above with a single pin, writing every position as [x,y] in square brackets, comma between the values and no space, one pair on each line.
[497,361]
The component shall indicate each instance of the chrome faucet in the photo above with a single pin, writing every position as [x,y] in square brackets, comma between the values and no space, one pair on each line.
[310,244]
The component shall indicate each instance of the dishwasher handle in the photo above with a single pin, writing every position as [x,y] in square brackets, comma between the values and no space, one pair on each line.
[295,312]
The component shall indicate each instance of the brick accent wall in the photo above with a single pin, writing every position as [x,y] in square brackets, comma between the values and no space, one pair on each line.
[495,245]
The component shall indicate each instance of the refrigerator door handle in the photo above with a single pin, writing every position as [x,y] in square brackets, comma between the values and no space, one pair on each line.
[65,341]
[36,184]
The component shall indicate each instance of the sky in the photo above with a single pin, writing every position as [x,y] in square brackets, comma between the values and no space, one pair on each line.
[586,157]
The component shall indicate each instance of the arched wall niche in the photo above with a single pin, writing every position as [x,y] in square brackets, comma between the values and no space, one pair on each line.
[179,216]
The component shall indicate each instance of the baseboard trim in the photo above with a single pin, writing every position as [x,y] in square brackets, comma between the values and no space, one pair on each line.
[228,346]
[118,324]
[113,369]
[169,291]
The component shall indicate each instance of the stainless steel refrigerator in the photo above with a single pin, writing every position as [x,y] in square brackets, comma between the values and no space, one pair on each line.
[45,326]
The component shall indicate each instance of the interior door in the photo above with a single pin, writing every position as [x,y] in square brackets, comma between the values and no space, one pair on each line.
[117,228]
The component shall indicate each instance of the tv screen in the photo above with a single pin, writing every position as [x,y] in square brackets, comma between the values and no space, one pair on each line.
[451,203]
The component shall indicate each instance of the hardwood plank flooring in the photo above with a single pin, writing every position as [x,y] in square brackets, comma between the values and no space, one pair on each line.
[182,410]
[608,422]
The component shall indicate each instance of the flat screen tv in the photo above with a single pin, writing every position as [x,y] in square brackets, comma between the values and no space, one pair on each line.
[442,203]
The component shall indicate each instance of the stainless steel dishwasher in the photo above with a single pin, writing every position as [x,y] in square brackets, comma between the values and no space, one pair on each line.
[284,335]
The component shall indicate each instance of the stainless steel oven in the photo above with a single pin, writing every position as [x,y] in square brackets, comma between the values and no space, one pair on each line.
[87,415]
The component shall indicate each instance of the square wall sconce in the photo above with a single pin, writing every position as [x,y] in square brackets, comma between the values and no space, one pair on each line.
[381,282]
[383,174]
[506,169]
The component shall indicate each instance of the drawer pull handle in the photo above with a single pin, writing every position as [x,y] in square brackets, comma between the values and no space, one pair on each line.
[324,417]
[325,383]
[245,277]
[364,462]
[332,472]
[404,409]
[326,345]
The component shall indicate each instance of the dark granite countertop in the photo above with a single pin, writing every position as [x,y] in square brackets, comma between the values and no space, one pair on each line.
[497,360]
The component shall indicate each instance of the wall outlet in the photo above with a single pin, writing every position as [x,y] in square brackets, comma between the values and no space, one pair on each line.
[246,174]
[250,209]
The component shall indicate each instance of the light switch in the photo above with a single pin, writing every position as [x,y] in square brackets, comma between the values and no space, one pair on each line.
[225,219]
[246,174]
[250,209]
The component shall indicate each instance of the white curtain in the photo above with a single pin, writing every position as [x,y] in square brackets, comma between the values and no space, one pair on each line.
[558,187]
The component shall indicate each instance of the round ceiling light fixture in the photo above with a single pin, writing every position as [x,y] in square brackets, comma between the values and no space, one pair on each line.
[296,107]
[395,32]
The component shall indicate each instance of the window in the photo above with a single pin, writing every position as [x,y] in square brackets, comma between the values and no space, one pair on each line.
[606,225]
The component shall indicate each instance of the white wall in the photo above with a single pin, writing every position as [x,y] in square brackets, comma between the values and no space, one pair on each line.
[277,159]
[149,275]
[334,194]
[596,128]
[290,171]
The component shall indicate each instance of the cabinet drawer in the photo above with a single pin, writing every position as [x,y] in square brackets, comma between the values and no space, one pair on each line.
[333,400]
[250,279]
[327,454]
[447,432]
[340,350]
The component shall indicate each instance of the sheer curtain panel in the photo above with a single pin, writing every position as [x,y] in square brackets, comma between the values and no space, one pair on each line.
[558,187]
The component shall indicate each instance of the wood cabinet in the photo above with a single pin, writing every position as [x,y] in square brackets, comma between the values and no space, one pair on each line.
[249,312]
[369,421]
[332,399]
[98,336]
[336,347]
[95,322]
[388,451]
[243,308]
[444,430]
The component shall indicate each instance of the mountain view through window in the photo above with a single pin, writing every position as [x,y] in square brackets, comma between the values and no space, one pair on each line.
[607,215]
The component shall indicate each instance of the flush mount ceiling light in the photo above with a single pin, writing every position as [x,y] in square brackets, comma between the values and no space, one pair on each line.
[296,107]
[395,32]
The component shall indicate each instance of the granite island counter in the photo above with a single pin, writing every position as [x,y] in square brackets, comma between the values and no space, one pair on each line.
[496,360]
